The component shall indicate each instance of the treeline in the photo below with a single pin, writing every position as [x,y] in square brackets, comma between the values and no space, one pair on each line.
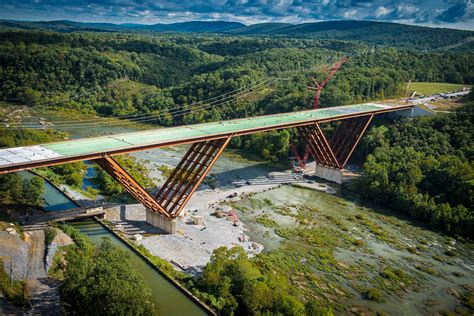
[424,168]
[22,191]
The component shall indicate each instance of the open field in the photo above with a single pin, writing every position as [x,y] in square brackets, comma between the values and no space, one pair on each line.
[430,88]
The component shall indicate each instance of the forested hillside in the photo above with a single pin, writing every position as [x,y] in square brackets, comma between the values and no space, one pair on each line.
[376,33]
[424,168]
[51,68]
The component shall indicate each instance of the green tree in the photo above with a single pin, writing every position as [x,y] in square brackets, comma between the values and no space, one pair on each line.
[105,283]
[33,191]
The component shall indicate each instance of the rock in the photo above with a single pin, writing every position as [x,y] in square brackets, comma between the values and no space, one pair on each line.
[342,265]
[12,231]
[453,292]
[137,237]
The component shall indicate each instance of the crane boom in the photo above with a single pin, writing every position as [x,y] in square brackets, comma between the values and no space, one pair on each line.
[319,86]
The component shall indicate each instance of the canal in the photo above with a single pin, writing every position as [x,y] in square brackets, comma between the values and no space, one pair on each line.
[167,298]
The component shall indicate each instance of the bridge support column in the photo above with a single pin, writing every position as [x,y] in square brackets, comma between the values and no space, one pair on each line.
[156,215]
[331,155]
[189,174]
[328,173]
[162,222]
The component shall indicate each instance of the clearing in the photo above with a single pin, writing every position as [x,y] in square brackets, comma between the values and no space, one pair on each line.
[430,88]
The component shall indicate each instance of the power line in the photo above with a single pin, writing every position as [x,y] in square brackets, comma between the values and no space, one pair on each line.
[151,117]
[140,118]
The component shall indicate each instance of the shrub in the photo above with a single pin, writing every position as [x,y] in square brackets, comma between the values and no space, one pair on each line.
[374,294]
[49,235]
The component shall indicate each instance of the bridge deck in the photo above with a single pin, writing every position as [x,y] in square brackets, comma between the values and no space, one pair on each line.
[22,158]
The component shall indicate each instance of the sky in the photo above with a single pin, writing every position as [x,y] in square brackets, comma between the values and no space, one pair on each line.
[439,13]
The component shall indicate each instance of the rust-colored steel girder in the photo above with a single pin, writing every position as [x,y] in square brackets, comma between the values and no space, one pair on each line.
[182,183]
[109,165]
[189,174]
[346,137]
[336,151]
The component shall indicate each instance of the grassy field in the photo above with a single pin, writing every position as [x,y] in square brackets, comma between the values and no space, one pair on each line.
[429,88]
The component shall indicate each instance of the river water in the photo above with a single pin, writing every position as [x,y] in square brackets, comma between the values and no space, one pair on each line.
[54,199]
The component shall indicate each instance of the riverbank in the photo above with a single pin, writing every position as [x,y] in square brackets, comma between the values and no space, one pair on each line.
[136,250]
[166,297]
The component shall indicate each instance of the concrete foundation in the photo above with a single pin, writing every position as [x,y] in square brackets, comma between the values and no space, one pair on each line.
[328,173]
[165,224]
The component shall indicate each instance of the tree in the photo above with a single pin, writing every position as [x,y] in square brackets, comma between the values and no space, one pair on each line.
[242,289]
[105,283]
[33,191]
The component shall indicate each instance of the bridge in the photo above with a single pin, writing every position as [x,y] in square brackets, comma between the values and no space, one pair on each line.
[208,141]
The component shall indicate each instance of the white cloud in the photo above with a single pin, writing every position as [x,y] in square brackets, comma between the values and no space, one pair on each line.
[381,11]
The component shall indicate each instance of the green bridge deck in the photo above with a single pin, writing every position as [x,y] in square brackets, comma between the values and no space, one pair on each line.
[21,158]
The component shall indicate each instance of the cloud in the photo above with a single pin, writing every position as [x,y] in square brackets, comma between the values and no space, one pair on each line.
[439,12]
[459,12]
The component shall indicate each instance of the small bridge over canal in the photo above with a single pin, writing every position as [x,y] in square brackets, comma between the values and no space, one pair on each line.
[41,221]
[207,142]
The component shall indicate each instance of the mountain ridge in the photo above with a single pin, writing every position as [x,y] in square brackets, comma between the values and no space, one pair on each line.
[371,32]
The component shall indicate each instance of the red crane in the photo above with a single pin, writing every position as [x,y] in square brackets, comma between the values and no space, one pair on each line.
[318,87]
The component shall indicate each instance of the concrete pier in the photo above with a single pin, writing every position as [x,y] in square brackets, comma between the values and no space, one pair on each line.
[165,224]
[328,173]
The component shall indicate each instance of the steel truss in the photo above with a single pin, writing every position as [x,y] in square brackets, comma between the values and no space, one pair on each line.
[336,150]
[188,175]
[109,165]
[181,184]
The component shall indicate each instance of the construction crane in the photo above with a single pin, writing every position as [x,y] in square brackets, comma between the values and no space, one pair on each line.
[318,87]
[301,161]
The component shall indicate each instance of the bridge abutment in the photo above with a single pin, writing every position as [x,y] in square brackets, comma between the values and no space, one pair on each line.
[328,173]
[160,221]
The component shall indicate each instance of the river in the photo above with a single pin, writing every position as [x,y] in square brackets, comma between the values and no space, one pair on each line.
[54,199]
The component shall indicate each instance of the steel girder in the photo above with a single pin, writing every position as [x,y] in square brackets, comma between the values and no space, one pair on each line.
[182,183]
[188,175]
[335,151]
[109,165]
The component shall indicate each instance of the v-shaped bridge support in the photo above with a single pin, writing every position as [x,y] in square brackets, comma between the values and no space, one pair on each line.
[178,188]
[332,153]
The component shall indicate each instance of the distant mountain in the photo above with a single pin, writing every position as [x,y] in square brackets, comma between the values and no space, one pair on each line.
[379,33]
[71,26]
[198,27]
[261,28]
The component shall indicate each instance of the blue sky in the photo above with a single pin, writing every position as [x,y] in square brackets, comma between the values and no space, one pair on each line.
[446,13]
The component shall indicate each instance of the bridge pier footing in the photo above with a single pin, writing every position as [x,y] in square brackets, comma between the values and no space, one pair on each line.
[160,221]
[328,173]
